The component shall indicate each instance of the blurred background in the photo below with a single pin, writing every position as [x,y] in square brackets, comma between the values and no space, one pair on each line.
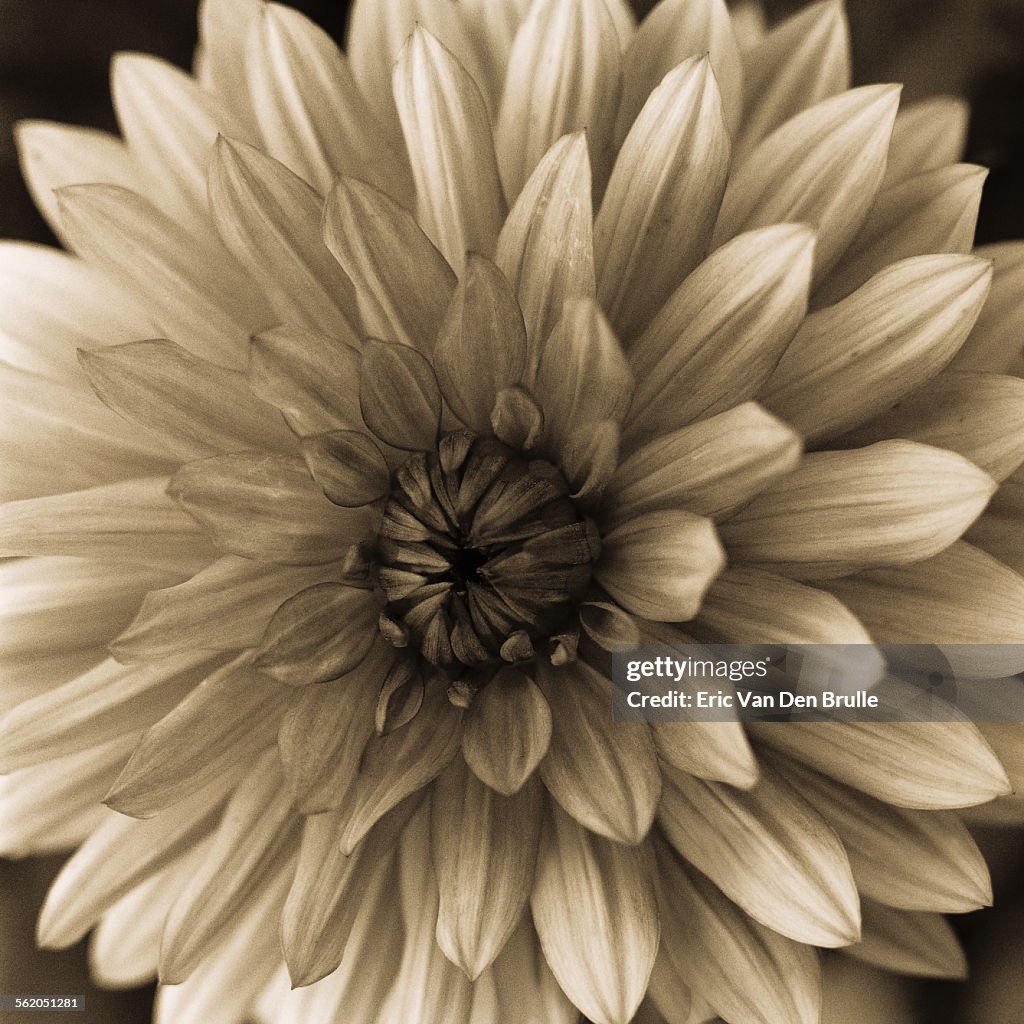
[54,56]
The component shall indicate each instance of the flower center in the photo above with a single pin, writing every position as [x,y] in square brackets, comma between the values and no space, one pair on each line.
[481,553]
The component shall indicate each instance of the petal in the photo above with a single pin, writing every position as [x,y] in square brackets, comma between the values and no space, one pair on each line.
[583,375]
[708,468]
[802,61]
[961,596]
[319,634]
[673,31]
[767,850]
[604,773]
[726,325]
[822,167]
[224,722]
[925,765]
[483,312]
[659,564]
[746,971]
[994,343]
[892,503]
[348,466]
[595,911]
[508,731]
[979,415]
[311,115]
[546,247]
[257,834]
[564,75]
[224,607]
[193,406]
[716,751]
[932,212]
[399,396]
[131,522]
[269,218]
[916,943]
[448,135]
[265,507]
[224,26]
[928,134]
[402,282]
[663,197]
[104,703]
[484,848]
[400,763]
[196,296]
[589,457]
[914,860]
[54,155]
[312,378]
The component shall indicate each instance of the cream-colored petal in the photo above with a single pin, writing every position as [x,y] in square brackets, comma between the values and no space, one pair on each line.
[402,762]
[994,343]
[746,971]
[402,282]
[53,155]
[546,247]
[663,197]
[28,675]
[311,114]
[104,703]
[459,201]
[673,31]
[231,717]
[961,596]
[659,564]
[716,751]
[893,503]
[932,212]
[564,75]
[604,773]
[769,851]
[914,860]
[483,317]
[132,522]
[269,218]
[257,835]
[219,63]
[334,897]
[120,854]
[709,467]
[508,731]
[312,378]
[726,326]
[823,167]
[802,61]
[398,396]
[924,765]
[594,908]
[348,466]
[928,134]
[909,942]
[224,607]
[589,456]
[194,295]
[192,406]
[266,507]
[979,415]
[484,848]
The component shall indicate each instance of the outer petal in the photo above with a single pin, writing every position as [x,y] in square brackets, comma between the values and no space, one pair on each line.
[595,911]
[892,503]
[348,466]
[927,134]
[220,57]
[604,774]
[915,943]
[399,397]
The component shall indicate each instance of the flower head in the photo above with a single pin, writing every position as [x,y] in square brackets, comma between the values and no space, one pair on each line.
[569,333]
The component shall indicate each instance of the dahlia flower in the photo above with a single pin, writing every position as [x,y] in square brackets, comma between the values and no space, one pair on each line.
[382,394]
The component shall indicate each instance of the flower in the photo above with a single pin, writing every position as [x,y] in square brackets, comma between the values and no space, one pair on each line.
[463,376]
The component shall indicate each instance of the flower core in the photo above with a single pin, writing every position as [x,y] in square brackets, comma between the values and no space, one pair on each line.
[481,554]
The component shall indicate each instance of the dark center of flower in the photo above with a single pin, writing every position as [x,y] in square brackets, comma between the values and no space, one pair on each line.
[481,555]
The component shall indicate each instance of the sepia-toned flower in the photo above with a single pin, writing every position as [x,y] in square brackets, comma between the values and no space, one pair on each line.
[379,396]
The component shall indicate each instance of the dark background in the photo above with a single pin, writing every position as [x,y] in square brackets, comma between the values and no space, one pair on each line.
[53,64]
